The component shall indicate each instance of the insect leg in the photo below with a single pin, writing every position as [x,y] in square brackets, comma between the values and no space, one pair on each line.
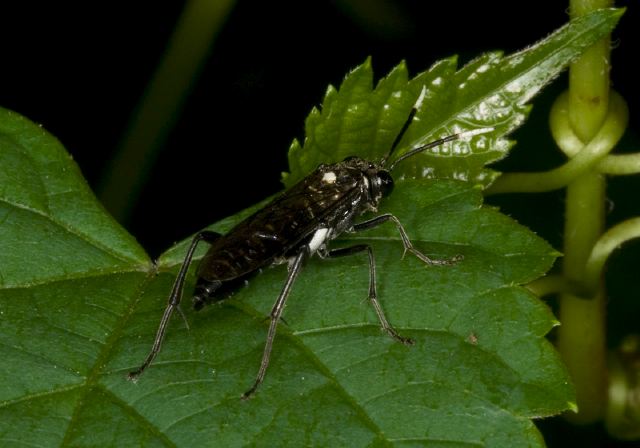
[174,300]
[373,294]
[408,247]
[276,312]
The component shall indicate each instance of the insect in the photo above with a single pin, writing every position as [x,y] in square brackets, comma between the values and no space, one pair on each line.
[296,225]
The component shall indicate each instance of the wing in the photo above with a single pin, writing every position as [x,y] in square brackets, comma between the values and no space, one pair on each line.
[328,197]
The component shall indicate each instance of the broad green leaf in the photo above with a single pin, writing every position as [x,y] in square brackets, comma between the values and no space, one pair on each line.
[48,211]
[80,303]
[480,361]
[491,91]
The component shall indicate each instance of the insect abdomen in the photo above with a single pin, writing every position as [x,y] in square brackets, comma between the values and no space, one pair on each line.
[228,264]
[207,291]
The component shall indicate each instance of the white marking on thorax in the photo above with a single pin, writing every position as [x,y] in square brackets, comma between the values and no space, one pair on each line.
[318,239]
[329,177]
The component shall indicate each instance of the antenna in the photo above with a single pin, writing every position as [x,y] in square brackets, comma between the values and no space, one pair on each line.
[414,110]
[419,149]
[439,142]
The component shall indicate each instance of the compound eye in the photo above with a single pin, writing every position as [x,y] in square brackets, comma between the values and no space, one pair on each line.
[386,183]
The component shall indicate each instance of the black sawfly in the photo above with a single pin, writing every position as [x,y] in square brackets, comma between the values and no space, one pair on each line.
[294,226]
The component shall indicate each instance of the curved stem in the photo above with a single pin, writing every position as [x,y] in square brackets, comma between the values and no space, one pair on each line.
[585,159]
[565,136]
[608,242]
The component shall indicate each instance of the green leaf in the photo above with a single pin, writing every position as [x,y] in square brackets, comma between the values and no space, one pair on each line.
[480,361]
[80,302]
[43,196]
[491,91]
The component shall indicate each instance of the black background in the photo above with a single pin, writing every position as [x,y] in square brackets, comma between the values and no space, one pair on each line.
[80,71]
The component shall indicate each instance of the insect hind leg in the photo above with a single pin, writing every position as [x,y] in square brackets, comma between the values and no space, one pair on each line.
[373,294]
[174,302]
[406,242]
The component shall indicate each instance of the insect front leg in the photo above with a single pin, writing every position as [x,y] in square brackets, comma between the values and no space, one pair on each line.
[276,312]
[373,294]
[174,301]
[406,242]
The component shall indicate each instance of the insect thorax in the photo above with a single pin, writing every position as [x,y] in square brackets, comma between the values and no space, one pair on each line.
[338,193]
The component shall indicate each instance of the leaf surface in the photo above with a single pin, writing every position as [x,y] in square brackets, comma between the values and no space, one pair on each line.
[491,91]
[80,301]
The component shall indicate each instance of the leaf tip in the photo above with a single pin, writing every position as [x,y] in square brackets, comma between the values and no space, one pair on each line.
[618,12]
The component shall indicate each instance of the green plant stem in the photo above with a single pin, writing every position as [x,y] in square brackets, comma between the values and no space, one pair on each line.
[565,136]
[552,285]
[618,164]
[581,337]
[155,115]
[589,78]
